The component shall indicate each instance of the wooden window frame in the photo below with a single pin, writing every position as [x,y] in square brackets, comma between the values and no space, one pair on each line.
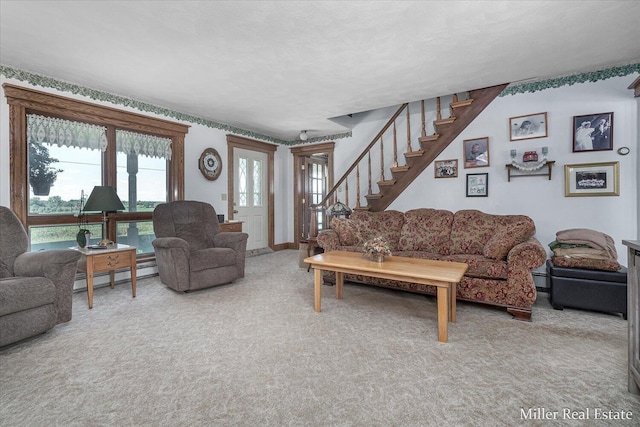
[23,101]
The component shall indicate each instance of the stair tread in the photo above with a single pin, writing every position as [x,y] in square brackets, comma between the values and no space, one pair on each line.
[462,103]
[417,153]
[446,121]
[386,182]
[373,196]
[429,138]
[400,169]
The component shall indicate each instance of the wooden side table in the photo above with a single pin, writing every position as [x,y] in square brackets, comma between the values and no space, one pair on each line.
[110,259]
[231,226]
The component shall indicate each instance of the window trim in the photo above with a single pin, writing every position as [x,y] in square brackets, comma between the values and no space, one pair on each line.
[23,101]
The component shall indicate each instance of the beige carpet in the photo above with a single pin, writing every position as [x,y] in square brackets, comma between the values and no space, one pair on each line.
[254,353]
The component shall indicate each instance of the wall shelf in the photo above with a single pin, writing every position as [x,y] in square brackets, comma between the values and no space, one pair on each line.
[548,165]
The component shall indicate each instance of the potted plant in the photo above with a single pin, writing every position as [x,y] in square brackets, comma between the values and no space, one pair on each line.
[41,174]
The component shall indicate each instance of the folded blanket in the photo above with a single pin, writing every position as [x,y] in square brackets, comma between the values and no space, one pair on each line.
[582,252]
[592,238]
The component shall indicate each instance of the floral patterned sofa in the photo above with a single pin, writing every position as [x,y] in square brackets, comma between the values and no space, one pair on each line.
[501,251]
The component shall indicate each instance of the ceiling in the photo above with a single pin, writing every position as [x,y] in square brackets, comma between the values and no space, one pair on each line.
[275,68]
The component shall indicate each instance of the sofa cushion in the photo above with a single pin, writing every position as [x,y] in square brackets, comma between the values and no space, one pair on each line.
[506,237]
[472,229]
[386,224]
[347,231]
[426,230]
[481,266]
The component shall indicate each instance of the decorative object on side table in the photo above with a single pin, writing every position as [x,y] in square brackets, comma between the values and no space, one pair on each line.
[377,248]
[83,236]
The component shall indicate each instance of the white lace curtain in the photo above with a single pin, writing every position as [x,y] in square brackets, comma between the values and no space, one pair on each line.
[146,145]
[53,131]
[60,132]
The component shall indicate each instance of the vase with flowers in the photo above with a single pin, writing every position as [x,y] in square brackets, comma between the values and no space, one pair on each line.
[377,248]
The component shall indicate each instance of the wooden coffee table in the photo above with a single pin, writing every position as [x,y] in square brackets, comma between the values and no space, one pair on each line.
[442,274]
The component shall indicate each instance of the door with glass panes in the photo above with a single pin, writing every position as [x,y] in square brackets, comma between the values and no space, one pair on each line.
[250,198]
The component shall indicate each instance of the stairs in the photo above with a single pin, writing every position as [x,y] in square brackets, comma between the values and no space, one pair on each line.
[447,129]
[462,114]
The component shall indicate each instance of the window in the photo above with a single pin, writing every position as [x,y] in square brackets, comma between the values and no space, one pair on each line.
[77,145]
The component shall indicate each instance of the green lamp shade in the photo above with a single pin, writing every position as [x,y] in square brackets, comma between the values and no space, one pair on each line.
[103,199]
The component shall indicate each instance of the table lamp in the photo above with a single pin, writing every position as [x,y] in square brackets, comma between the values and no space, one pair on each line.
[103,199]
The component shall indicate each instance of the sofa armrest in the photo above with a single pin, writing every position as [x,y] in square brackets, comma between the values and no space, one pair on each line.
[328,240]
[529,254]
[60,267]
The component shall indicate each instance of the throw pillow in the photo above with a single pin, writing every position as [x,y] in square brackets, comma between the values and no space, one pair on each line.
[507,237]
[347,231]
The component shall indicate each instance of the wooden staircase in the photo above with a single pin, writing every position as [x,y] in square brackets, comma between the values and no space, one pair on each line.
[394,180]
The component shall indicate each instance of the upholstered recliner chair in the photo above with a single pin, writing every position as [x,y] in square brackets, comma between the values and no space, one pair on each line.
[36,288]
[191,251]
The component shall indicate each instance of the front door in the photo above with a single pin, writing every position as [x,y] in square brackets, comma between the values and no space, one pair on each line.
[250,195]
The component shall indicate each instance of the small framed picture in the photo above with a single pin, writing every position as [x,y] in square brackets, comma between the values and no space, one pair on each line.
[592,179]
[446,168]
[476,152]
[528,127]
[477,184]
[593,132]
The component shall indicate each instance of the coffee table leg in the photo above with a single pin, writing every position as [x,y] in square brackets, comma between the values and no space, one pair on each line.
[443,313]
[452,299]
[317,287]
[339,284]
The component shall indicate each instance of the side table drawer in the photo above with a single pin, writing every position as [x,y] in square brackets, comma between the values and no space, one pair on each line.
[111,261]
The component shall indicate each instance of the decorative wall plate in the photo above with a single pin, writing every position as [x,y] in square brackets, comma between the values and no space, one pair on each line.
[210,164]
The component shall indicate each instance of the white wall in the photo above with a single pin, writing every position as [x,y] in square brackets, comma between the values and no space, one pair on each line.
[541,199]
[197,187]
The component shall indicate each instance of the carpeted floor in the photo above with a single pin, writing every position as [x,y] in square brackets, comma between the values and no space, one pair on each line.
[254,353]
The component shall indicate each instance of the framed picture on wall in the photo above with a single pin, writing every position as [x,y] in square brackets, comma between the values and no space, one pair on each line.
[592,179]
[477,184]
[528,127]
[446,168]
[593,132]
[476,152]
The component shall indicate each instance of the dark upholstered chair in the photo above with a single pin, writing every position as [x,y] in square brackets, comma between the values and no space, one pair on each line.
[36,288]
[191,251]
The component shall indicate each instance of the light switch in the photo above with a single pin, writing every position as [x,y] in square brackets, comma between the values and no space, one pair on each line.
[224,197]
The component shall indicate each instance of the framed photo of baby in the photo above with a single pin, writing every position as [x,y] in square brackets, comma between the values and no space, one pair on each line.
[593,132]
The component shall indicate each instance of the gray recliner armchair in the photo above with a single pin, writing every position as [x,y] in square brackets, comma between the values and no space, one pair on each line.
[36,288]
[191,251]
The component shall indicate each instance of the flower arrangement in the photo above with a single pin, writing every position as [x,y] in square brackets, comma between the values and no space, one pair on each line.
[377,247]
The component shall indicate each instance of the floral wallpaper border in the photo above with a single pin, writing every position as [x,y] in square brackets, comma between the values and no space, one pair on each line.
[43,81]
[592,76]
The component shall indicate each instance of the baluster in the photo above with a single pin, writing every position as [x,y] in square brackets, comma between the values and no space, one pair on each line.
[369,173]
[382,157]
[453,101]
[424,126]
[408,135]
[395,147]
[358,186]
[346,192]
[439,113]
